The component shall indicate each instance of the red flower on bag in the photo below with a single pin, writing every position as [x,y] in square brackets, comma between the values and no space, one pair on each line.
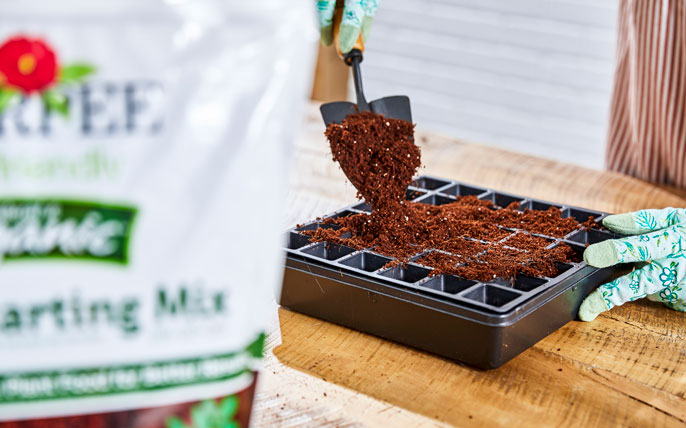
[29,65]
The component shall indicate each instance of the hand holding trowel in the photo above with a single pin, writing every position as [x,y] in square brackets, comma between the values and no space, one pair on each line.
[397,107]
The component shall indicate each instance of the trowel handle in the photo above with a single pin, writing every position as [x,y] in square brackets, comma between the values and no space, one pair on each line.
[337,17]
[353,59]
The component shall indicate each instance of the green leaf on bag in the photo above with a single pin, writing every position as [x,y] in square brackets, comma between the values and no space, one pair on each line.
[256,348]
[229,407]
[6,97]
[56,102]
[75,73]
[175,422]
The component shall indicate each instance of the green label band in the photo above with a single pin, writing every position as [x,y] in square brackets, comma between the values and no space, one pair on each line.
[99,381]
[53,228]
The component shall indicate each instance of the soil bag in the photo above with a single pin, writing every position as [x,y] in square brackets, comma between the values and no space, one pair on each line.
[143,149]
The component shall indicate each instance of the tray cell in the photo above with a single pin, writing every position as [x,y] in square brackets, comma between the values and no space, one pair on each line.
[328,251]
[591,236]
[296,240]
[578,250]
[366,261]
[410,273]
[463,190]
[538,205]
[435,200]
[581,215]
[527,283]
[491,295]
[317,225]
[429,183]
[412,194]
[447,283]
[501,199]
[562,268]
[342,214]
[363,206]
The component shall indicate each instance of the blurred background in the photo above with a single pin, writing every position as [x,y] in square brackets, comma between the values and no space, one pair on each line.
[533,76]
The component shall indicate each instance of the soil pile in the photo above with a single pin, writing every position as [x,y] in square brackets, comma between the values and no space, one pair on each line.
[471,238]
[377,154]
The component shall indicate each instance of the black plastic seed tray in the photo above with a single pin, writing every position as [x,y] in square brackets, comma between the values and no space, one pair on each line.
[484,324]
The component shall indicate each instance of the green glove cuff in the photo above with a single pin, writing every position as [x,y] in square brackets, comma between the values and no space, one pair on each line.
[592,306]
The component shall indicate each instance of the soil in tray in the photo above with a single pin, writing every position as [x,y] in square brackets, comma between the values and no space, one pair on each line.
[470,234]
[477,240]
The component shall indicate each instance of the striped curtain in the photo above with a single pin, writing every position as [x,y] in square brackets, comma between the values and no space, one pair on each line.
[646,135]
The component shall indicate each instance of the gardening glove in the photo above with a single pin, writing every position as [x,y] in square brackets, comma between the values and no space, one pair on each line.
[357,16]
[660,241]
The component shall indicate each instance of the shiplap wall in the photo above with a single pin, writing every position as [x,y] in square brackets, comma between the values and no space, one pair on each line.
[528,75]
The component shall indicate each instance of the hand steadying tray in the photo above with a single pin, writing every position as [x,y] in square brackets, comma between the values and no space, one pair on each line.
[659,240]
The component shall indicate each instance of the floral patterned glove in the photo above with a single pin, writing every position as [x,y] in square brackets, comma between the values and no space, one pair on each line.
[357,16]
[660,242]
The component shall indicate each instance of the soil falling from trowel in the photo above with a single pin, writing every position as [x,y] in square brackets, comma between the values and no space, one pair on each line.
[469,237]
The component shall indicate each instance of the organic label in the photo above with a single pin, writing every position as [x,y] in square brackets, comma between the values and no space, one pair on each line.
[49,228]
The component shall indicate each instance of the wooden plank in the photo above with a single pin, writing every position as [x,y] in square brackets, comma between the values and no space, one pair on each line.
[535,389]
[290,398]
[641,344]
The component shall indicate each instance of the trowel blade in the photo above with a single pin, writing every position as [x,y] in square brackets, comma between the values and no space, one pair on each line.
[336,111]
[396,107]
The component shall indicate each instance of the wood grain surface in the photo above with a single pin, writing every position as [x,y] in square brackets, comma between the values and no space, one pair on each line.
[627,368]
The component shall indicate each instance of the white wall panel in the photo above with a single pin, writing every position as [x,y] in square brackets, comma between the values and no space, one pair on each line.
[528,75]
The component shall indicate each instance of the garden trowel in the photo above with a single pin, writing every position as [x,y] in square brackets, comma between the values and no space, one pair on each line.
[397,107]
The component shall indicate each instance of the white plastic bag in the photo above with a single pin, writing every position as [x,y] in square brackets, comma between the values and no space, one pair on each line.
[143,149]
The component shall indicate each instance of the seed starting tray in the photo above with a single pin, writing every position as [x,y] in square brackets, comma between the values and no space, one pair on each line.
[484,324]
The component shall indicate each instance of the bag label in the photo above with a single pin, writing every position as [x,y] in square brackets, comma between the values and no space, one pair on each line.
[53,228]
[108,380]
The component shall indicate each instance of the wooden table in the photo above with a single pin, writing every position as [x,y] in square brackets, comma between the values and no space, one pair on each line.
[627,368]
